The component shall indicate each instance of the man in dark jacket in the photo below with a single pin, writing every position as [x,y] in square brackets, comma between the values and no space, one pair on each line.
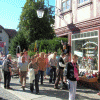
[60,71]
[6,67]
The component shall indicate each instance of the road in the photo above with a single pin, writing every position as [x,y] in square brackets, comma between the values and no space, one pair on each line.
[47,92]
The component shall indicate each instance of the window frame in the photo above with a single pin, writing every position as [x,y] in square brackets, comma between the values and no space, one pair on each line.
[0,38]
[70,6]
[0,30]
[84,3]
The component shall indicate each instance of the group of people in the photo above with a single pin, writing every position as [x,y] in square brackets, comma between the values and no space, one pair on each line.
[37,65]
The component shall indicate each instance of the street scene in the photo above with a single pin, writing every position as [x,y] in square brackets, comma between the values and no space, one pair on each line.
[49,50]
[47,92]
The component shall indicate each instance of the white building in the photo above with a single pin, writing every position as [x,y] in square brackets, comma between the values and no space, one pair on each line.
[5,36]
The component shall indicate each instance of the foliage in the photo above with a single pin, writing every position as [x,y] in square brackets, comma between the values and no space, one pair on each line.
[35,28]
[31,53]
[20,40]
[49,45]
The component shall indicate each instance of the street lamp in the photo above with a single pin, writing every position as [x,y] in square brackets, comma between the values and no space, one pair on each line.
[40,13]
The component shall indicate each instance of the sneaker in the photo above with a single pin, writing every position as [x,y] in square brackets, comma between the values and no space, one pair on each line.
[9,88]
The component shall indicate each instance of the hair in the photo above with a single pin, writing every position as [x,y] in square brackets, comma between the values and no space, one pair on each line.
[41,53]
[9,55]
[32,57]
[55,53]
[62,54]
[21,53]
[23,57]
[74,56]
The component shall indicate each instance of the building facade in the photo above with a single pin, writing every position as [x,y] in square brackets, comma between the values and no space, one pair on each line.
[80,21]
[5,36]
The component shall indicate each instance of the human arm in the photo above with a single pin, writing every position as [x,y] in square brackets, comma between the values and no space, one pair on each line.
[62,65]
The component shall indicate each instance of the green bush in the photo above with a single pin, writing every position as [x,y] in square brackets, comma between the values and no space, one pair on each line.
[49,45]
[31,53]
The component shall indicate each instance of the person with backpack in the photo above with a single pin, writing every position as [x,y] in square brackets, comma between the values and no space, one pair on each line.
[6,67]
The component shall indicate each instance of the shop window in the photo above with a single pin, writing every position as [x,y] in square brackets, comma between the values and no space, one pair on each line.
[87,51]
[66,5]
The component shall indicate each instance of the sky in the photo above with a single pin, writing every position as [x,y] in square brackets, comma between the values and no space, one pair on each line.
[10,11]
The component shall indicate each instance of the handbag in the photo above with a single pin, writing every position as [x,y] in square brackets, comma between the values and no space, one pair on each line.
[66,86]
[48,71]
[31,75]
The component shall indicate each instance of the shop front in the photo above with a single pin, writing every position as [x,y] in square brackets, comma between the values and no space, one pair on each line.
[85,46]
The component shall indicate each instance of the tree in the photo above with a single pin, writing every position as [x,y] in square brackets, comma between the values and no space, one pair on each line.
[35,28]
[19,39]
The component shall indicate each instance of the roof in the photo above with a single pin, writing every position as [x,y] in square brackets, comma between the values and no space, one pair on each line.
[11,32]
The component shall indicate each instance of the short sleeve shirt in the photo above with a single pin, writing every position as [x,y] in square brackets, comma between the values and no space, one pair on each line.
[23,66]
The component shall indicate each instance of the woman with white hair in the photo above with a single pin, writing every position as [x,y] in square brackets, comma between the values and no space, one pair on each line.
[6,67]
[53,64]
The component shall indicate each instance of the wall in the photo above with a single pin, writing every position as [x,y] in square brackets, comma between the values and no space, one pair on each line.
[5,38]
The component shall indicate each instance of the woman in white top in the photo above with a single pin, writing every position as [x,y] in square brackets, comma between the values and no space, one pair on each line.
[53,64]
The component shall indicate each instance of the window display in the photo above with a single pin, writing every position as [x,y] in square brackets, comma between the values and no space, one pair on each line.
[85,46]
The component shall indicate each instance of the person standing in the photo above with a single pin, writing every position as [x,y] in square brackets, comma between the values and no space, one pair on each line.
[34,65]
[23,67]
[60,71]
[6,67]
[53,64]
[72,76]
[42,64]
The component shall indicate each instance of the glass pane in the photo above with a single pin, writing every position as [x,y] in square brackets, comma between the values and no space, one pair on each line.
[64,6]
[96,33]
[84,34]
[68,4]
[81,1]
[87,52]
[88,34]
[81,35]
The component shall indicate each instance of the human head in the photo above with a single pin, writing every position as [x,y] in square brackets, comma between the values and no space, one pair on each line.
[63,55]
[9,56]
[54,55]
[64,46]
[75,58]
[33,58]
[23,59]
[46,55]
[21,54]
[42,54]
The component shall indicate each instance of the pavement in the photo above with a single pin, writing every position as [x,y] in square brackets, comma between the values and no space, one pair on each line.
[47,92]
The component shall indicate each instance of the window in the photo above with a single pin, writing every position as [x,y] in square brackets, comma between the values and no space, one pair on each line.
[66,5]
[0,30]
[0,38]
[82,1]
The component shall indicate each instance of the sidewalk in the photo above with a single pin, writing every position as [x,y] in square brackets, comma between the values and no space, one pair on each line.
[47,92]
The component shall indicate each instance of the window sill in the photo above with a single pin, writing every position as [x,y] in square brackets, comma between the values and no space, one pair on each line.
[84,4]
[67,11]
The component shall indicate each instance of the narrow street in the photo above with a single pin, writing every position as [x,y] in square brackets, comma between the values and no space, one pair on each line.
[47,92]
